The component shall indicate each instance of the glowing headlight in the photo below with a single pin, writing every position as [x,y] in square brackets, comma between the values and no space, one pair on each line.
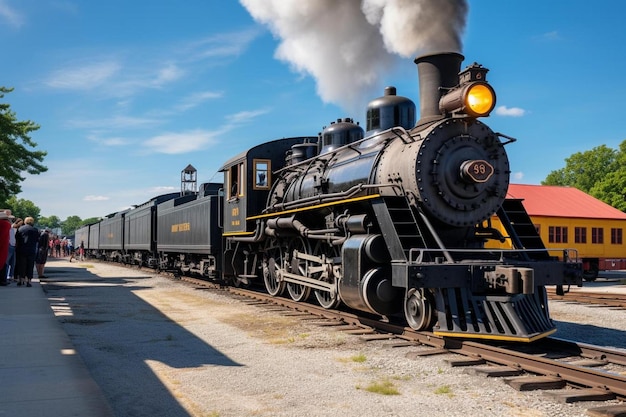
[479,100]
[476,99]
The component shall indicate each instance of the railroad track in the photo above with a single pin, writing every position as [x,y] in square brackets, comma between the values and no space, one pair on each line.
[567,370]
[596,298]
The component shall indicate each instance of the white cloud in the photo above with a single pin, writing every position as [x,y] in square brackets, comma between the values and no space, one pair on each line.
[85,77]
[510,111]
[113,78]
[130,72]
[168,74]
[517,176]
[222,45]
[193,140]
[162,190]
[12,17]
[95,198]
[114,142]
[182,142]
[116,122]
[197,99]
[246,116]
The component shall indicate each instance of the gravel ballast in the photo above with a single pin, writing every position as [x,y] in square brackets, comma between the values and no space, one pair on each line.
[157,346]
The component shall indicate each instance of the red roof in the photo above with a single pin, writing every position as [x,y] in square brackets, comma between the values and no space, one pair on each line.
[553,201]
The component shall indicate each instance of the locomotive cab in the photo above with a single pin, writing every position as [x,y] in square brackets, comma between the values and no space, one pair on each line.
[248,180]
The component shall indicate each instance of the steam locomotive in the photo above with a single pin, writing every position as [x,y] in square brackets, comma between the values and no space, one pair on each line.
[394,220]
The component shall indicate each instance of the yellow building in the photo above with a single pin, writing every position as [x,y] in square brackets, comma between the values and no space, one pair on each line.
[566,217]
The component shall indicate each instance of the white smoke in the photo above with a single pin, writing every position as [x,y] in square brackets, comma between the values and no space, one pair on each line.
[349,45]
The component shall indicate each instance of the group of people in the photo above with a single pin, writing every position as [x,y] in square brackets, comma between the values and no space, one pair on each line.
[60,247]
[22,248]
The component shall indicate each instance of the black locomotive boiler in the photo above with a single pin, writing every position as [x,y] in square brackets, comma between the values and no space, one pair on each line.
[393,221]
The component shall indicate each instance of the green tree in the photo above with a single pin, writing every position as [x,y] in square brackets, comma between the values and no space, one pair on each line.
[600,172]
[71,224]
[91,220]
[23,208]
[583,170]
[612,190]
[51,222]
[15,155]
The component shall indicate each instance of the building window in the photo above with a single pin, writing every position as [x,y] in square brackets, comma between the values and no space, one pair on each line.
[557,234]
[616,236]
[262,171]
[597,235]
[580,235]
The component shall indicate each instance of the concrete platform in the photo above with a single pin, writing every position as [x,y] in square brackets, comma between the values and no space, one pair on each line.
[40,372]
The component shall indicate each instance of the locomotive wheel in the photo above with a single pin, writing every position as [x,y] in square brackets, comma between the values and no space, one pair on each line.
[326,299]
[418,309]
[299,292]
[273,286]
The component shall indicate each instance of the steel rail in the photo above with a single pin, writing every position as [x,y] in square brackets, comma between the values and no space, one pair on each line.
[584,350]
[573,374]
[610,300]
[578,375]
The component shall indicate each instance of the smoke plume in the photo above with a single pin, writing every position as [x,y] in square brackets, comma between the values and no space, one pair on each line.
[349,45]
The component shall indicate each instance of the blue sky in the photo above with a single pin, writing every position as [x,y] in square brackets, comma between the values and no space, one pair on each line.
[128,93]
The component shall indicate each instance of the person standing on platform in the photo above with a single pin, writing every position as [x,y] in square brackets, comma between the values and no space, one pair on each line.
[26,240]
[5,229]
[42,253]
[12,255]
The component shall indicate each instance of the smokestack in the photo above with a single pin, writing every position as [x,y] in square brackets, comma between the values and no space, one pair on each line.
[437,74]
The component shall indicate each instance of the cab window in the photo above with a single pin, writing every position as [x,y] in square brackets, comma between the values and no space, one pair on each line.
[262,172]
[237,179]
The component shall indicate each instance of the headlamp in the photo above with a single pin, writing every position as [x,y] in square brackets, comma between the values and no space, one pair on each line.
[476,99]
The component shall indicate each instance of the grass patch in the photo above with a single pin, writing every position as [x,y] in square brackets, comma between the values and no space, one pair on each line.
[444,389]
[384,387]
[360,358]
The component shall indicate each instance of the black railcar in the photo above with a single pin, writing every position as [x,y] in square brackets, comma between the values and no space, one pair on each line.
[81,235]
[93,244]
[140,232]
[111,237]
[189,238]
